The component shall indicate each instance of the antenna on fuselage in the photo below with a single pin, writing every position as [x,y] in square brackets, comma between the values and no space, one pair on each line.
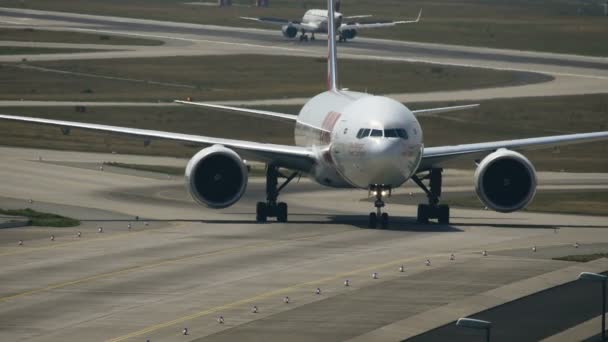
[332,58]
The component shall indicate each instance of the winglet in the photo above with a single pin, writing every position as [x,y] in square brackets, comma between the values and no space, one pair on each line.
[419,15]
[332,63]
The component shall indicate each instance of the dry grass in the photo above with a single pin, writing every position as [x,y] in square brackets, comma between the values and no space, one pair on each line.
[230,77]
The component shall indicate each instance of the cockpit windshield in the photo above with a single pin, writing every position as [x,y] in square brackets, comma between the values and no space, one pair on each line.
[387,133]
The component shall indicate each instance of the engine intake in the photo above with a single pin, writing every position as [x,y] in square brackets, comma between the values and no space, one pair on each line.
[289,31]
[216,177]
[349,34]
[505,181]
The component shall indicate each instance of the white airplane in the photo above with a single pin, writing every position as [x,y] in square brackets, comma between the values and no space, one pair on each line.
[347,139]
[315,21]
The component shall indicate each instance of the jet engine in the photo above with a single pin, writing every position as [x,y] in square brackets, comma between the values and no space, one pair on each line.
[216,177]
[289,31]
[349,34]
[505,181]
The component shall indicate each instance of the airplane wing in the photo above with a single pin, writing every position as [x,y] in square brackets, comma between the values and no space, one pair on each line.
[358,16]
[435,156]
[423,112]
[253,112]
[360,26]
[245,111]
[271,20]
[282,22]
[292,157]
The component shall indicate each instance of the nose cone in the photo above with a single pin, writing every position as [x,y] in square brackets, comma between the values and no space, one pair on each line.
[386,163]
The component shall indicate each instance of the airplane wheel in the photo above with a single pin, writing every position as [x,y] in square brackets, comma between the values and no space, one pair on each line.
[373,220]
[384,221]
[261,212]
[423,213]
[444,214]
[313,38]
[282,212]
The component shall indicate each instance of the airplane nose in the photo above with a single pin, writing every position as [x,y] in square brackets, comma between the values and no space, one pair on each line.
[387,162]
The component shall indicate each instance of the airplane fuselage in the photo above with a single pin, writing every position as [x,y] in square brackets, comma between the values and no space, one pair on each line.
[318,18]
[361,139]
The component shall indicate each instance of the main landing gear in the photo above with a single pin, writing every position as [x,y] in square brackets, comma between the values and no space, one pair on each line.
[433,210]
[304,37]
[271,208]
[380,191]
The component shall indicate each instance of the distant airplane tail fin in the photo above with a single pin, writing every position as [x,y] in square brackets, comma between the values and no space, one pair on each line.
[332,62]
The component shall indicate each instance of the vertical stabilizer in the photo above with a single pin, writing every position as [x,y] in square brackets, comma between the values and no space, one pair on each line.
[332,62]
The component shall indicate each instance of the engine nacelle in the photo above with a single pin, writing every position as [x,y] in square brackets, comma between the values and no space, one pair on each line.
[505,181]
[216,177]
[349,34]
[289,31]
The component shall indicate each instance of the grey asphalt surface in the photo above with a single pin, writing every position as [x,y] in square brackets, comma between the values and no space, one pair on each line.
[189,264]
[532,318]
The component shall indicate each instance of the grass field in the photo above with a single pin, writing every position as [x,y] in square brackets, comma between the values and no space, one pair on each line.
[221,77]
[568,26]
[19,50]
[575,202]
[46,36]
[42,219]
[494,120]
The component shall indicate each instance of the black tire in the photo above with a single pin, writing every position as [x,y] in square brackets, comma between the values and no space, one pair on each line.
[282,212]
[261,212]
[444,214]
[313,38]
[373,220]
[384,221]
[423,214]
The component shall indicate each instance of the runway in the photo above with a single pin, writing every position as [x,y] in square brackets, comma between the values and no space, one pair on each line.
[189,265]
[569,74]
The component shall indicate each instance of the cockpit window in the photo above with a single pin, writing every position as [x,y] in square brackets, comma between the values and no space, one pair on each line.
[390,133]
[376,133]
[402,133]
[363,132]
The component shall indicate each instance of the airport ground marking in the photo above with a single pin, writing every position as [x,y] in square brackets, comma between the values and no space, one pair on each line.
[21,250]
[166,262]
[261,296]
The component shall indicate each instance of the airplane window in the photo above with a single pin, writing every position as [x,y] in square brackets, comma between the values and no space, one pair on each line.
[363,132]
[376,133]
[402,133]
[390,133]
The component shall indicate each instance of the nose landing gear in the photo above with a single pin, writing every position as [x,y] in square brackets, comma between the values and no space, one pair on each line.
[380,191]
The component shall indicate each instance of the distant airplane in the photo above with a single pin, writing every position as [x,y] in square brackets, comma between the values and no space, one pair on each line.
[315,21]
[347,139]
